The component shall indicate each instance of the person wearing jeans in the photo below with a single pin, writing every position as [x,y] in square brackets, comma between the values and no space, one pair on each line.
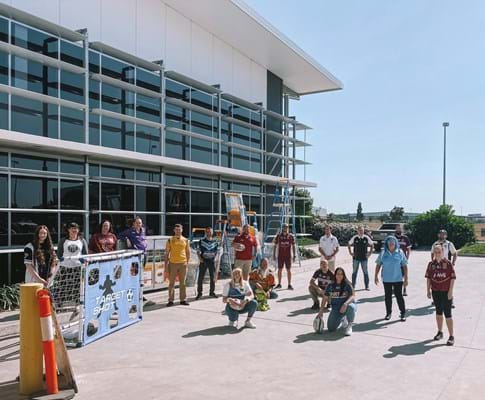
[239,299]
[360,248]
[208,250]
[341,296]
[393,264]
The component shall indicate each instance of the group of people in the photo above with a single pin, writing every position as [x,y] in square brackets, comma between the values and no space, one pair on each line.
[338,293]
[42,260]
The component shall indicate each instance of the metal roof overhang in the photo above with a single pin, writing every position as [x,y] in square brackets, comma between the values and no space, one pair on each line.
[24,141]
[234,22]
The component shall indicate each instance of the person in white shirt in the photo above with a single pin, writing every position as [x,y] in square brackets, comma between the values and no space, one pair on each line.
[449,250]
[239,299]
[329,247]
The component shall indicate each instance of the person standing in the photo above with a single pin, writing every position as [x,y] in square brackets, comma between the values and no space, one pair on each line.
[285,252]
[208,250]
[135,236]
[394,268]
[239,299]
[329,247]
[104,240]
[340,294]
[405,245]
[39,257]
[441,276]
[321,278]
[177,256]
[244,257]
[360,248]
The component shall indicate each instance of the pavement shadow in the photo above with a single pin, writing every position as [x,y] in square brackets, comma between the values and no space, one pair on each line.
[13,355]
[9,318]
[10,390]
[318,337]
[376,299]
[153,307]
[303,311]
[373,325]
[297,298]
[421,311]
[214,331]
[411,349]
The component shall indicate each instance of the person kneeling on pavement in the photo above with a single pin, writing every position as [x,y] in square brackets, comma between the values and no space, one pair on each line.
[239,299]
[321,278]
[262,283]
[341,295]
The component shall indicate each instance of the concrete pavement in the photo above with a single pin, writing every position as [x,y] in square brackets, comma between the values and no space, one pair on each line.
[188,352]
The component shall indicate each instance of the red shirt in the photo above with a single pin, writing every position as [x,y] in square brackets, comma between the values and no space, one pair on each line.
[284,243]
[441,273]
[249,242]
[100,243]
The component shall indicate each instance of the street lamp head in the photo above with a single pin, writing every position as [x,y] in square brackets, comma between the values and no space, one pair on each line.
[445,124]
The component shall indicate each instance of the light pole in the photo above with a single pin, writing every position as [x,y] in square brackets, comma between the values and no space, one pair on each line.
[445,125]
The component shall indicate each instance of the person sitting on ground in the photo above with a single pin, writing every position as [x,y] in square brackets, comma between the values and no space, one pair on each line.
[263,279]
[321,278]
[440,276]
[239,299]
[340,294]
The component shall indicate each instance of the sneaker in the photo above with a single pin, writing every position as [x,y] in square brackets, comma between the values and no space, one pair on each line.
[249,324]
[451,341]
[278,286]
[199,296]
[348,330]
[315,306]
[367,288]
[184,303]
[290,287]
[403,317]
[388,317]
[215,296]
[345,323]
[232,324]
[170,304]
[438,336]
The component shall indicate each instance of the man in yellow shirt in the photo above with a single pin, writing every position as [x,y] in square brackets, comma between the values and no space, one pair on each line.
[177,256]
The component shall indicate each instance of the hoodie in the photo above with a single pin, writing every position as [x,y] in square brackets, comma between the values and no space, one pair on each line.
[391,263]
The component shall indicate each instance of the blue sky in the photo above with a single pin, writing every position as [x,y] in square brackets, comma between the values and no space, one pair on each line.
[407,66]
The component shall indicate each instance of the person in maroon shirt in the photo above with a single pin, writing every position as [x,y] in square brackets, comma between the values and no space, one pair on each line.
[440,276]
[284,244]
[104,239]
[244,257]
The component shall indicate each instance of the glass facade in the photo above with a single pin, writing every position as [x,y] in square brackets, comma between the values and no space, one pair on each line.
[132,109]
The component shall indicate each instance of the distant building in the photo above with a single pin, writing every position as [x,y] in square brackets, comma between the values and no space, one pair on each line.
[320,212]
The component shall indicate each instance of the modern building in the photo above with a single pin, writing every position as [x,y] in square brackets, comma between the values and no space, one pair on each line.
[116,108]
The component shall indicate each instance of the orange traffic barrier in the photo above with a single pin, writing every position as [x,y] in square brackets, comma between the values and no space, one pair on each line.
[47,330]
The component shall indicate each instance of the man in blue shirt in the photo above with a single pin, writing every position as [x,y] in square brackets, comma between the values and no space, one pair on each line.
[208,250]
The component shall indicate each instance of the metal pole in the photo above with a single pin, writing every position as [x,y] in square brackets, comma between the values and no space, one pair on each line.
[445,125]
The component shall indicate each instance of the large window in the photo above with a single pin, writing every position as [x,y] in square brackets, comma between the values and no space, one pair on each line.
[34,40]
[72,195]
[34,117]
[117,134]
[147,198]
[72,125]
[3,111]
[117,197]
[33,76]
[24,224]
[30,192]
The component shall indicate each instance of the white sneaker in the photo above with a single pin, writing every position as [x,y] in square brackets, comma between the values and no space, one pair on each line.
[348,330]
[232,323]
[344,323]
[249,324]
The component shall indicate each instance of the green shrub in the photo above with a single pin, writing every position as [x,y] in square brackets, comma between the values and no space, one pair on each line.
[473,249]
[343,231]
[9,297]
[424,228]
[306,253]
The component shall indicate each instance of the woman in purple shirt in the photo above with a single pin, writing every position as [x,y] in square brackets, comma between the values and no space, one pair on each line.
[135,236]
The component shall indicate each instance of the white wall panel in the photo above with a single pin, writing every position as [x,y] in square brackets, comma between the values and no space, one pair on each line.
[75,15]
[47,9]
[201,57]
[118,24]
[178,46]
[241,75]
[222,59]
[258,83]
[150,25]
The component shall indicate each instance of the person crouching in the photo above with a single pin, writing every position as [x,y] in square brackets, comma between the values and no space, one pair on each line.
[239,299]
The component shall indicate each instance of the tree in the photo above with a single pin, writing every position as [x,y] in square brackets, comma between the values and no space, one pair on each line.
[384,218]
[425,227]
[396,213]
[359,216]
[303,208]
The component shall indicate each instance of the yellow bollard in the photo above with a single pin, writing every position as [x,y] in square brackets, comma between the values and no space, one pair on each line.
[31,367]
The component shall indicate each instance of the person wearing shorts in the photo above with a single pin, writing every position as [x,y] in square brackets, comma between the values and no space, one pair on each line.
[329,247]
[244,258]
[441,276]
[284,251]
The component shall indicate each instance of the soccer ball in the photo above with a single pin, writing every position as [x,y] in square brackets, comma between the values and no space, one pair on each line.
[318,325]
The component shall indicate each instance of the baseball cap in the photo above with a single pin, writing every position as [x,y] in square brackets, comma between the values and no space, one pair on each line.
[72,225]
[443,231]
